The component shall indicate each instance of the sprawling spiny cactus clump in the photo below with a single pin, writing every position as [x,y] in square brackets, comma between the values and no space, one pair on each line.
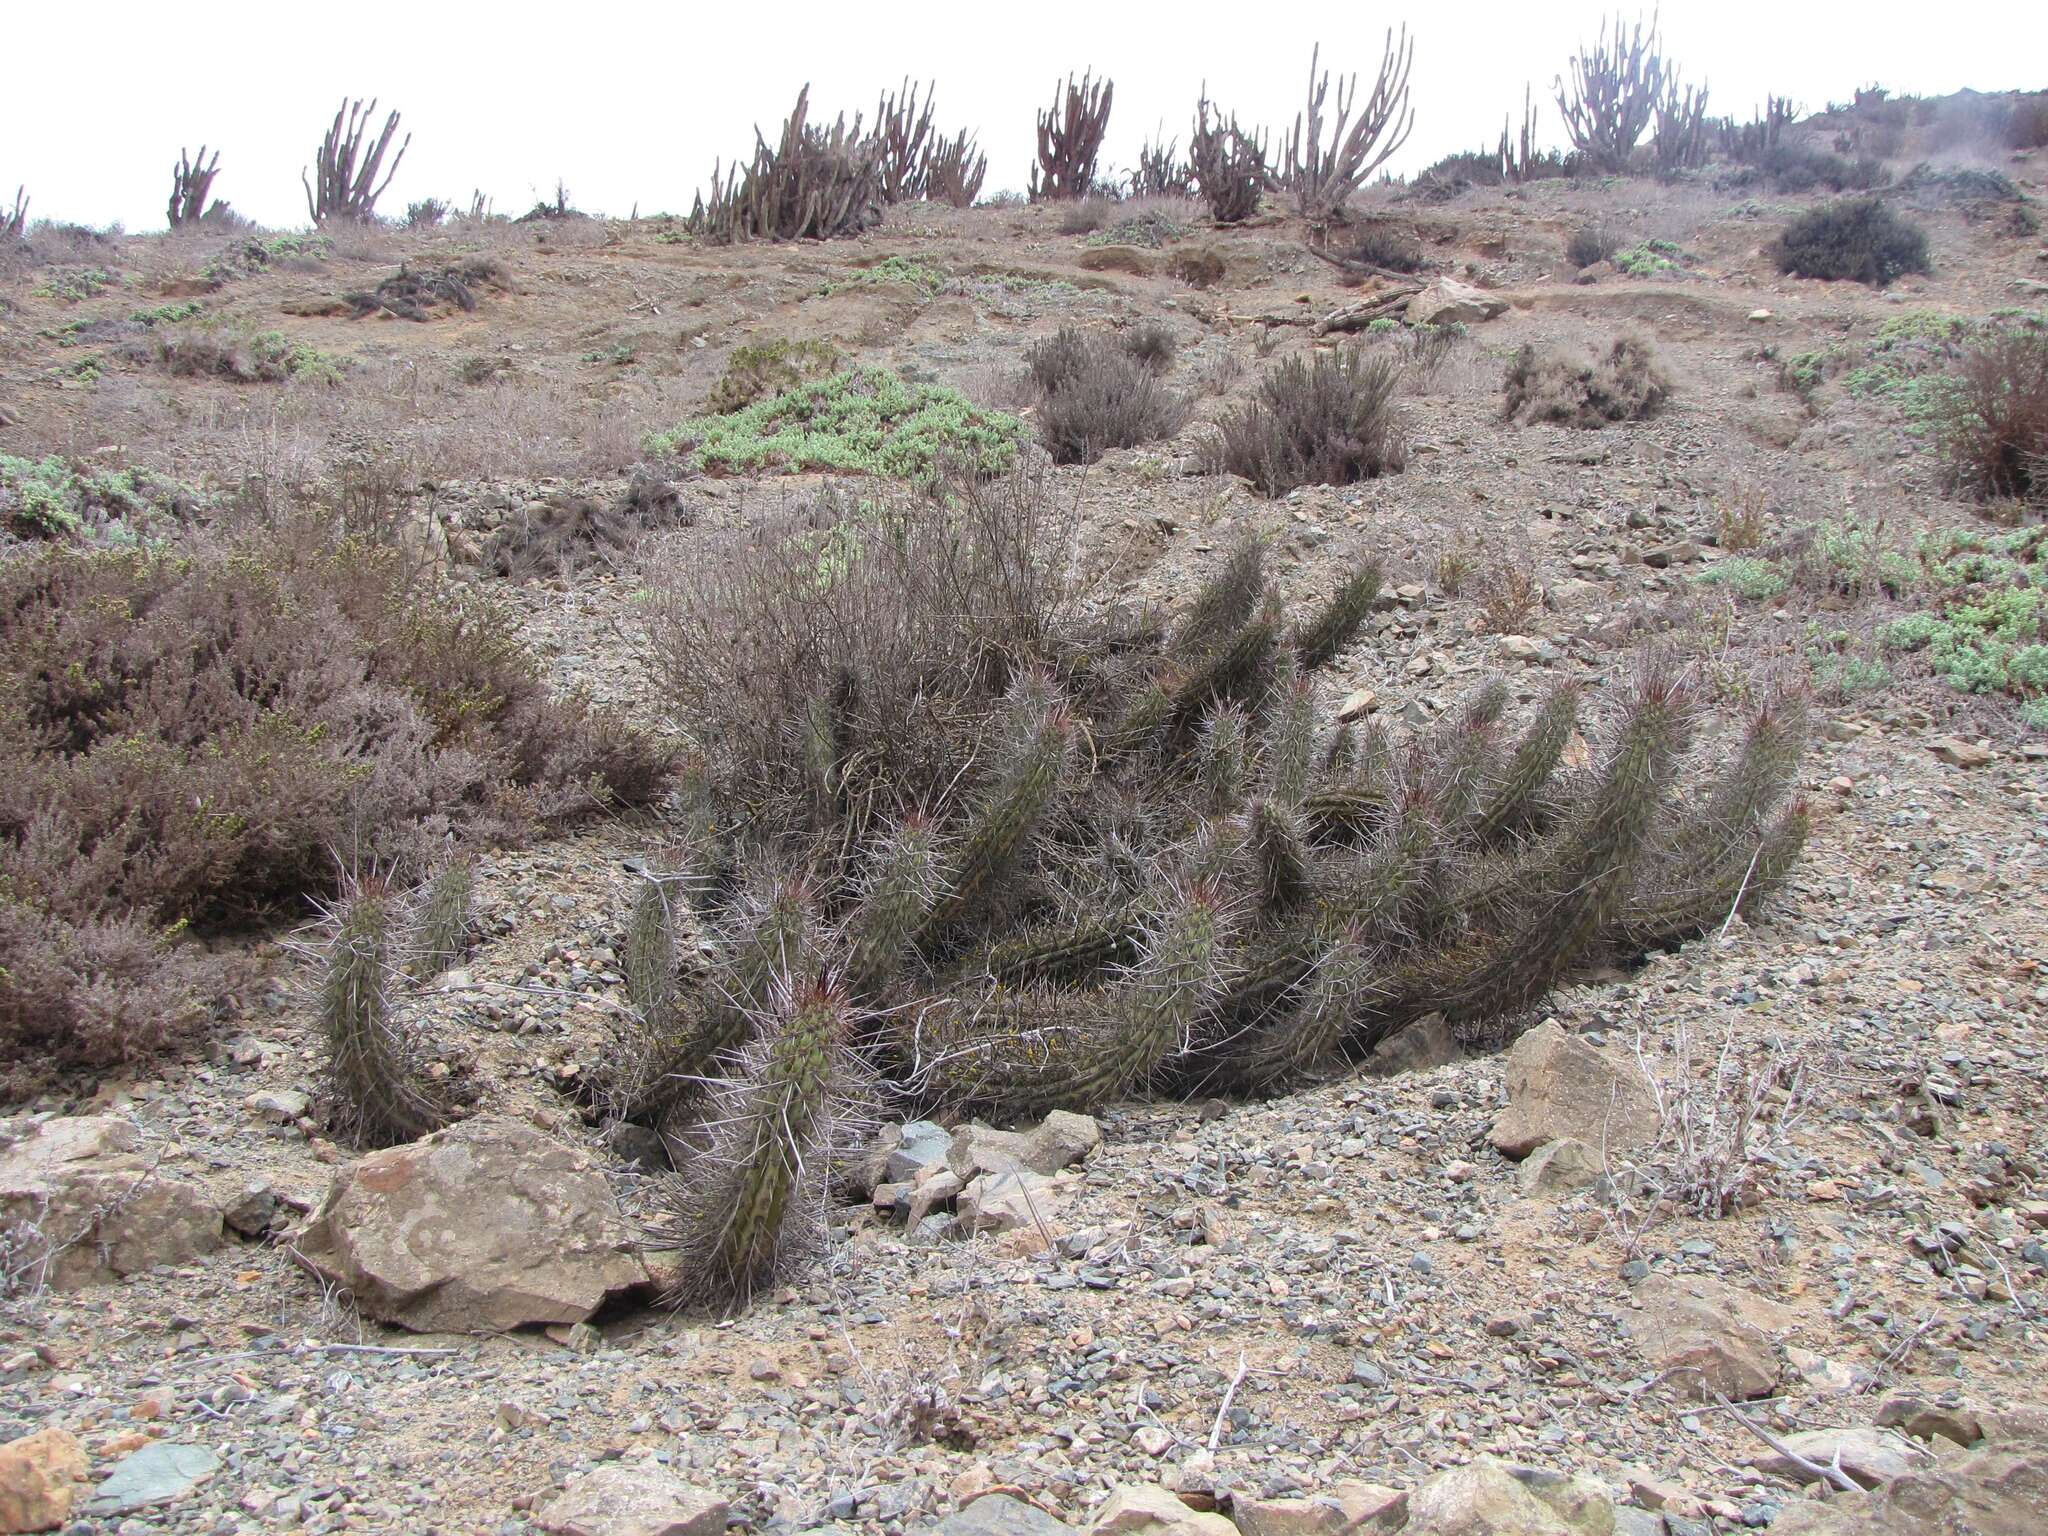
[1159,869]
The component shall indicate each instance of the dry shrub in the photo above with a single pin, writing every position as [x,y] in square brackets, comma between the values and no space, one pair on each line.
[567,531]
[1625,385]
[1152,343]
[1085,215]
[208,736]
[1097,392]
[1330,421]
[1992,424]
[1858,239]
[83,996]
[1389,246]
[1589,245]
[934,603]
[1198,268]
[1510,599]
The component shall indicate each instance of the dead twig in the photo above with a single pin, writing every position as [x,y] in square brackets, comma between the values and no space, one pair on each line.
[1832,1475]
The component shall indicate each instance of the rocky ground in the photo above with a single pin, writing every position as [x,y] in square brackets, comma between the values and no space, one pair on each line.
[1375,1304]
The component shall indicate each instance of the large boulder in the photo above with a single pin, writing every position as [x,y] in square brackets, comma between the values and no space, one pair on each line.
[1871,1456]
[1450,302]
[1059,1141]
[1346,1508]
[488,1224]
[641,1500]
[1997,1491]
[1560,1085]
[1710,1336]
[999,1514]
[39,1478]
[1146,1509]
[1491,1498]
[92,1205]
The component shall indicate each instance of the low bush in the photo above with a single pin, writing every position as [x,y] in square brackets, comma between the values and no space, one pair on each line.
[1988,629]
[1097,392]
[1389,246]
[51,498]
[1857,240]
[263,357]
[1326,421]
[1625,385]
[755,369]
[1990,423]
[207,737]
[863,421]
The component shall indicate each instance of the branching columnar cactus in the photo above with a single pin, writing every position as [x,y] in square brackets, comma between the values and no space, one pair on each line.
[817,183]
[1070,138]
[1160,871]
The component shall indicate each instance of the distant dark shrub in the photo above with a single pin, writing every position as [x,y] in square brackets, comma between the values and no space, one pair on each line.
[1330,421]
[1095,393]
[1200,267]
[1860,240]
[1383,243]
[1625,385]
[1992,425]
[1152,344]
[2027,128]
[208,736]
[1589,245]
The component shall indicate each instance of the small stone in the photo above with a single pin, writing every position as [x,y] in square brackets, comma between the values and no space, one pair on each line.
[1958,753]
[1357,705]
[286,1106]
[1759,315]
[1560,1167]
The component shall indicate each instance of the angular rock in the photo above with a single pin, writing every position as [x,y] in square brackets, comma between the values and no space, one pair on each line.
[639,1500]
[1059,1141]
[39,1478]
[1347,1508]
[1450,302]
[1559,1085]
[1998,1491]
[1710,1335]
[156,1474]
[1958,753]
[998,1514]
[1560,1167]
[919,1144]
[488,1224]
[1870,1455]
[1923,1420]
[1484,1498]
[1004,1202]
[1426,1043]
[97,1206]
[1146,1509]
[1581,1503]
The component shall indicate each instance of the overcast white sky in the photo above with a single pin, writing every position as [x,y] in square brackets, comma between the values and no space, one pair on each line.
[630,104]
